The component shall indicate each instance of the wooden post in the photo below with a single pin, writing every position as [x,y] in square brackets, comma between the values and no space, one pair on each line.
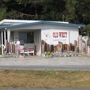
[68,48]
[42,46]
[86,45]
[65,47]
[52,48]
[59,47]
[45,47]
[80,43]
[35,50]
[13,48]
[13,51]
[88,50]
[55,48]
[77,49]
[75,43]
[73,48]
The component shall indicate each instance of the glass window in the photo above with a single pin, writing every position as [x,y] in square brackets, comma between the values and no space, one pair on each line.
[26,37]
[12,36]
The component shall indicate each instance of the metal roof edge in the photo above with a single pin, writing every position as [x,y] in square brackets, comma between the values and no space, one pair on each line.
[64,24]
[43,22]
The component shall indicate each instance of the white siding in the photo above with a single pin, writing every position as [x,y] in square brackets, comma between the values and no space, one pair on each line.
[47,36]
[74,34]
[16,36]
[37,39]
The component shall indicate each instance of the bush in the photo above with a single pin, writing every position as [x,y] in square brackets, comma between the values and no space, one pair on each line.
[88,29]
[48,53]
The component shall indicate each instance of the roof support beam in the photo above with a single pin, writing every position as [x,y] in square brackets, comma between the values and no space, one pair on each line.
[2,42]
[8,38]
[5,37]
[8,35]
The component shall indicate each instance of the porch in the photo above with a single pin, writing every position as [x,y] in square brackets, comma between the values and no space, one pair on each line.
[29,39]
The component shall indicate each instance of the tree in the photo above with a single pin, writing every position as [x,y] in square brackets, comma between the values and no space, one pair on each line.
[88,29]
[53,10]
[70,10]
[73,11]
[19,9]
[83,11]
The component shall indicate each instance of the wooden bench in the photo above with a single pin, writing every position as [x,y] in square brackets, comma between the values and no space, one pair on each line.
[28,51]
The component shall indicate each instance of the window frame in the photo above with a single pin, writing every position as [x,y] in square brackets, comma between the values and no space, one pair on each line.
[27,36]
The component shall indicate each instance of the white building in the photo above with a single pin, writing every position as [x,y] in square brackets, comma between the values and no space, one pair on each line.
[31,32]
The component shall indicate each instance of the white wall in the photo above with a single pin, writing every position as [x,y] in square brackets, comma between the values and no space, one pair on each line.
[37,40]
[29,45]
[74,34]
[16,36]
[50,37]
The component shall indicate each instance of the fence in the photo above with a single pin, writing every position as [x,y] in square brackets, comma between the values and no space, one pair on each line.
[80,45]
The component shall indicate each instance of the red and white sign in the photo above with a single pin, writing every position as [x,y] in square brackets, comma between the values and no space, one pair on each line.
[55,34]
[63,34]
[59,34]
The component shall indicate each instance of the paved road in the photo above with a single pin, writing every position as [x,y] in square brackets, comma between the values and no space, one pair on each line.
[34,67]
[39,63]
[45,61]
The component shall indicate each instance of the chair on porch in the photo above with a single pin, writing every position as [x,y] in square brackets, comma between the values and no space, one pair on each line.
[21,49]
[27,51]
[30,50]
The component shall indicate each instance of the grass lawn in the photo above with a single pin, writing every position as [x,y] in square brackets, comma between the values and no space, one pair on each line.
[44,79]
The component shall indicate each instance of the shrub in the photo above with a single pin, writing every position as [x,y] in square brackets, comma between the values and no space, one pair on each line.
[48,53]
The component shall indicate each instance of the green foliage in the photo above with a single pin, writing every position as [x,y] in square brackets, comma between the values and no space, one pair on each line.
[6,0]
[25,48]
[75,11]
[70,10]
[82,31]
[48,53]
[88,29]
[83,11]
[23,2]
[2,13]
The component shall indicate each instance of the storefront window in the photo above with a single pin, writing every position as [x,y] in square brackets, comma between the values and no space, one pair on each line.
[26,37]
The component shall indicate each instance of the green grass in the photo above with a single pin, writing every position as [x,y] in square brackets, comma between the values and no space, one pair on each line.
[44,79]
